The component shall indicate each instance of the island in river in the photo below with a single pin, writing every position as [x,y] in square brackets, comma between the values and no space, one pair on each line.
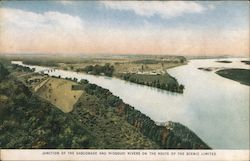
[240,75]
[246,62]
[224,61]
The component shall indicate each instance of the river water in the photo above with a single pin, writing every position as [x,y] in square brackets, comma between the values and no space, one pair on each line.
[215,108]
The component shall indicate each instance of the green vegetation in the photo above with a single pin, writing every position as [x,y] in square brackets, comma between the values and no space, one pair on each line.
[99,120]
[20,68]
[28,122]
[157,61]
[47,62]
[107,69]
[240,75]
[246,62]
[116,66]
[147,61]
[164,81]
[112,131]
[206,69]
[224,61]
[173,136]
[3,71]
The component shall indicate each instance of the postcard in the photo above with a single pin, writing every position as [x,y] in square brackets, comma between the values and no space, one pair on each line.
[124,80]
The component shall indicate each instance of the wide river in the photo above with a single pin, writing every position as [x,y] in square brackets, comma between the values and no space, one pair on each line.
[215,108]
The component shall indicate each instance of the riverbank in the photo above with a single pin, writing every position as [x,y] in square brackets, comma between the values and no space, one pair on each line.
[171,136]
[240,75]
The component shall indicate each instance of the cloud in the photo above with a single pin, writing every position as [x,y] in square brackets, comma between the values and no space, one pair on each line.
[51,19]
[211,6]
[167,9]
[24,30]
[55,32]
[66,2]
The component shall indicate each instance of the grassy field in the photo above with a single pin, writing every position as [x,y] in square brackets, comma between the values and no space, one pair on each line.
[58,92]
[240,75]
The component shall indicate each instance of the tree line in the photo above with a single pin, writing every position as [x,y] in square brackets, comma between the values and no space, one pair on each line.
[165,82]
[106,69]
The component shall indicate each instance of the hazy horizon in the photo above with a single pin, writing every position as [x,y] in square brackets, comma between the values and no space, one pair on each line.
[190,28]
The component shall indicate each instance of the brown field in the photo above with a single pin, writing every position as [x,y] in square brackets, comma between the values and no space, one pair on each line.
[58,92]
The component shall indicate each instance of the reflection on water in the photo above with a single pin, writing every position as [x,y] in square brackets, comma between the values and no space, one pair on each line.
[215,108]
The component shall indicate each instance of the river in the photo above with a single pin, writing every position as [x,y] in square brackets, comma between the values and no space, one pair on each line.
[215,108]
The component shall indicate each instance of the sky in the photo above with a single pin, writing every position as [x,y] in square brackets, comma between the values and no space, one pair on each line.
[127,27]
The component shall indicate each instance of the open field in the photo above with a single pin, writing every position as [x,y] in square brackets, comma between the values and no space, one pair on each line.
[59,93]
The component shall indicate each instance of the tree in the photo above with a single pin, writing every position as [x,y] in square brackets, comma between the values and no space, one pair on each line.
[181,87]
[3,72]
[84,81]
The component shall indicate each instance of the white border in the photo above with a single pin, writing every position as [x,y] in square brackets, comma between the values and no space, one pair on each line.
[110,155]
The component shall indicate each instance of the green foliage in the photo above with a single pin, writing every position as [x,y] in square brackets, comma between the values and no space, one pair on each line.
[28,122]
[239,75]
[165,81]
[246,62]
[178,59]
[3,72]
[99,120]
[47,62]
[224,61]
[175,136]
[107,69]
[84,81]
[21,68]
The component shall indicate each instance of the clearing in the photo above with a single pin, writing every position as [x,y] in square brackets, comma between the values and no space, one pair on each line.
[59,93]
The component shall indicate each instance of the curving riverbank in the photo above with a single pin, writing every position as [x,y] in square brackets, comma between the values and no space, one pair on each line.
[171,136]
[240,75]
